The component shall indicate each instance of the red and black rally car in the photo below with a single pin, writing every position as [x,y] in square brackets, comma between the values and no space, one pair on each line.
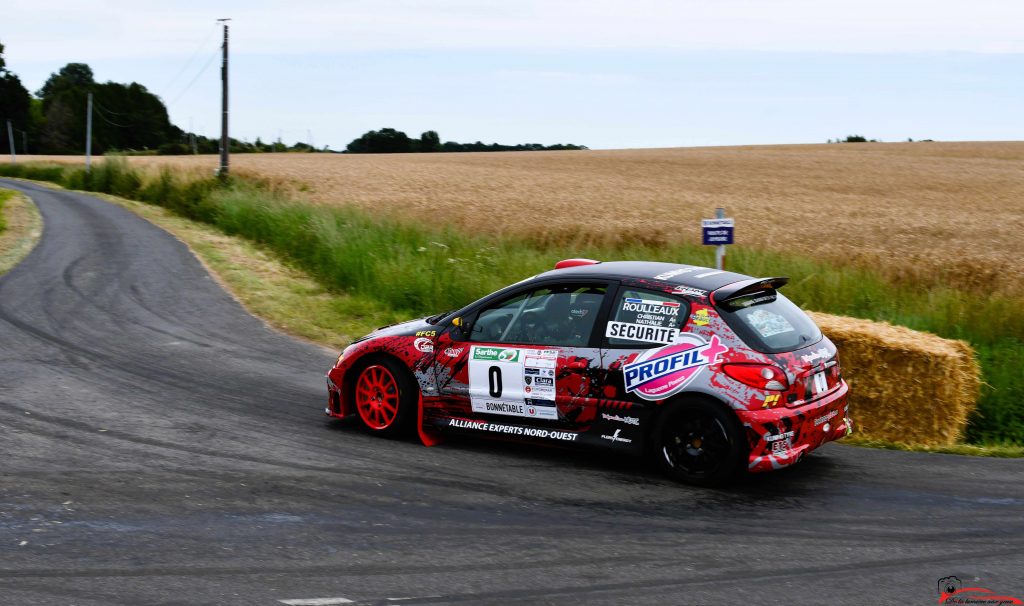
[711,371]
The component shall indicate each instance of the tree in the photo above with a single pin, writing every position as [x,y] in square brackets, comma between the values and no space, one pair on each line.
[72,75]
[124,116]
[15,104]
[383,141]
[430,142]
[63,131]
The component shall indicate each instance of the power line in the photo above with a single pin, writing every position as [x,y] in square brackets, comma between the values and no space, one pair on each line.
[197,76]
[99,113]
[191,59]
[97,104]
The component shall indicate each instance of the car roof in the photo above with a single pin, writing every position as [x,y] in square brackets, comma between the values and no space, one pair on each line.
[696,276]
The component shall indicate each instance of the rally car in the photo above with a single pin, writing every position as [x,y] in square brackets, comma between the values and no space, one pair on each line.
[711,372]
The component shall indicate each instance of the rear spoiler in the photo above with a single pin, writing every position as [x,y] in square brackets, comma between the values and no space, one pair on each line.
[746,287]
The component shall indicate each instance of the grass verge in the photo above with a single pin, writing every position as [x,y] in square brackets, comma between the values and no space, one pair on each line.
[390,268]
[5,195]
[1002,451]
[20,228]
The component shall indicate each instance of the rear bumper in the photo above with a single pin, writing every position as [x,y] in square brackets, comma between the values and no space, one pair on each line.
[780,437]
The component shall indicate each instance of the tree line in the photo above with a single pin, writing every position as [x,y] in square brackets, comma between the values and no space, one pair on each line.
[128,118]
[125,118]
[391,141]
[53,121]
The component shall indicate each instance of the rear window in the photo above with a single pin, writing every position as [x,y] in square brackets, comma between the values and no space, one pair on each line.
[769,322]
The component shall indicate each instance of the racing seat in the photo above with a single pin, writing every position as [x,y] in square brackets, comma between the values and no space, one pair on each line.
[556,326]
[582,314]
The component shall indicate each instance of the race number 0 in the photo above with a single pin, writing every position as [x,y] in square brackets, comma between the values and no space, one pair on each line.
[494,381]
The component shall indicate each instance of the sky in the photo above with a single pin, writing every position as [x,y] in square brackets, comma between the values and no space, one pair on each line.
[602,73]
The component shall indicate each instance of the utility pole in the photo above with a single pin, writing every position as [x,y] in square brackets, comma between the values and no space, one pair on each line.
[10,140]
[88,135]
[24,141]
[224,141]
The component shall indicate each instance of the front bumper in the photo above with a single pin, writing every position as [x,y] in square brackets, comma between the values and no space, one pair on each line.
[780,437]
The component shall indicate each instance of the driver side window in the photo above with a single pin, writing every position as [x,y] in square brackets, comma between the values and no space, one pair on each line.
[559,315]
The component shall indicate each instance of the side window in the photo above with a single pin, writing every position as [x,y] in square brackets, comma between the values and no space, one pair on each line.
[559,315]
[645,317]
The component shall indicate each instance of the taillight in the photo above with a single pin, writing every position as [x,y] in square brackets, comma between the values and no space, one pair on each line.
[761,376]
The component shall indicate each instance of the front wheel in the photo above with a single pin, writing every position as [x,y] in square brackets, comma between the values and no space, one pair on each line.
[699,442]
[386,396]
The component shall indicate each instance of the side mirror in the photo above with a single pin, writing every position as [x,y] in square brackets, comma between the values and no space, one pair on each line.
[458,331]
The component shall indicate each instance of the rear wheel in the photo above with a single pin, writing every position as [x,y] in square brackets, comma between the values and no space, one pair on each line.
[699,442]
[385,395]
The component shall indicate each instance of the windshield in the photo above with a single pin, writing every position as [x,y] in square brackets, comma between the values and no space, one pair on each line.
[769,322]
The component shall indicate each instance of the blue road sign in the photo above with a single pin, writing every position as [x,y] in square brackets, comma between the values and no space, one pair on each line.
[717,232]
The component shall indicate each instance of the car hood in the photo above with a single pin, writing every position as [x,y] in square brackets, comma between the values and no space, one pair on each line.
[408,328]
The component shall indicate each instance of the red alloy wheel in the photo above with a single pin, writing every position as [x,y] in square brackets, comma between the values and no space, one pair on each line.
[377,397]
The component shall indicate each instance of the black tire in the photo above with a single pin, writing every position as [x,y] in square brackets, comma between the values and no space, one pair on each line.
[698,441]
[395,397]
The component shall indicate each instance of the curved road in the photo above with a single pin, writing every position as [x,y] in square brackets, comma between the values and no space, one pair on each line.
[158,445]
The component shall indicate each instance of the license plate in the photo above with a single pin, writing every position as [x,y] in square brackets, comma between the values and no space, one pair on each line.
[820,383]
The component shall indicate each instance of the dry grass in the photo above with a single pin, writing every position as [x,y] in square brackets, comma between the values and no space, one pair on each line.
[905,386]
[927,212]
[24,228]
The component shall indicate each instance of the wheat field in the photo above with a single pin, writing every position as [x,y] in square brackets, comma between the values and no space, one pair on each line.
[932,212]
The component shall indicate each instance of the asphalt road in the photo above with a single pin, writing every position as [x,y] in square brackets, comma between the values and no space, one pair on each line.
[160,446]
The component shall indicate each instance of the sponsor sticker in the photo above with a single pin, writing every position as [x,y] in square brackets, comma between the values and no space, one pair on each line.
[768,323]
[659,373]
[689,291]
[423,344]
[426,333]
[701,317]
[814,356]
[535,408]
[620,419]
[668,275]
[502,408]
[495,354]
[530,432]
[615,437]
[453,352]
[640,332]
[669,308]
[825,418]
[782,436]
[771,401]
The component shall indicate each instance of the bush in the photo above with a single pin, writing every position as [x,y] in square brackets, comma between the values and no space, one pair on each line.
[173,149]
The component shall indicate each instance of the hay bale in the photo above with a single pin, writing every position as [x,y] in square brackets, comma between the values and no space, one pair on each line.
[905,386]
